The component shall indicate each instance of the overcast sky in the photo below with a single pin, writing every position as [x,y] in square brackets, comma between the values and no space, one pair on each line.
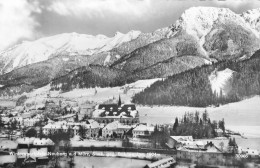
[32,19]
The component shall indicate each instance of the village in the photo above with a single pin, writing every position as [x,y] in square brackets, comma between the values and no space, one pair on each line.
[41,136]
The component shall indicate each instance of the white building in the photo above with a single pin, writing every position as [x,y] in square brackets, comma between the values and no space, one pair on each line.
[142,130]
[115,127]
[30,122]
[43,142]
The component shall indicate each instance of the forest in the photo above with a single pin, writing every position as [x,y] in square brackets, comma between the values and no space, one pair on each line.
[193,88]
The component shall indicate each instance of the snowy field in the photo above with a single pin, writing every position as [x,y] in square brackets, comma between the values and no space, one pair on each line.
[83,95]
[241,116]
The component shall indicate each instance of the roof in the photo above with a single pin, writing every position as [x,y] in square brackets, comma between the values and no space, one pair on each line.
[52,126]
[142,127]
[159,162]
[5,159]
[43,142]
[93,123]
[66,116]
[116,125]
[30,159]
[182,138]
[8,144]
[25,140]
[209,148]
[116,110]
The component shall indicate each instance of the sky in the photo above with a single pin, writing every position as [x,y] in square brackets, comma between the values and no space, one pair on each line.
[32,19]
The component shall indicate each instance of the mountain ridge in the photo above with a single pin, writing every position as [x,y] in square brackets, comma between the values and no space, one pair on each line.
[202,35]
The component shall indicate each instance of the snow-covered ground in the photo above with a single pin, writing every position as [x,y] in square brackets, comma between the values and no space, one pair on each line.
[241,116]
[83,95]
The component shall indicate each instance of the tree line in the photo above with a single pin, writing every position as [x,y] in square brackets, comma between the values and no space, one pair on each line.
[193,87]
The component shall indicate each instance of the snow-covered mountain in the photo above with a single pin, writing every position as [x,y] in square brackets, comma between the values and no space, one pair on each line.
[220,32]
[200,36]
[29,52]
[252,17]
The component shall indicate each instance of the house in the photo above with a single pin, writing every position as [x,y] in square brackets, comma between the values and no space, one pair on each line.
[142,131]
[22,153]
[39,153]
[30,122]
[42,142]
[51,128]
[87,109]
[25,142]
[207,155]
[115,129]
[177,141]
[92,128]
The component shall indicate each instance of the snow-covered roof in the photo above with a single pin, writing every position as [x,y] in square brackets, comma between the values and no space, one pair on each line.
[52,126]
[182,138]
[92,124]
[142,127]
[5,159]
[8,144]
[160,162]
[116,125]
[25,140]
[66,116]
[43,142]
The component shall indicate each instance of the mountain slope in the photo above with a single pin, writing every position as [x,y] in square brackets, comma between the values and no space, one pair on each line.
[88,77]
[63,44]
[194,88]
[39,74]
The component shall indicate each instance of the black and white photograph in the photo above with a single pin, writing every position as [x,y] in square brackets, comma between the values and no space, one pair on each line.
[129,83]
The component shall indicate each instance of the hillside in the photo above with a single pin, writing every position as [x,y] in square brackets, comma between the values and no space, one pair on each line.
[194,88]
[36,75]
[88,77]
